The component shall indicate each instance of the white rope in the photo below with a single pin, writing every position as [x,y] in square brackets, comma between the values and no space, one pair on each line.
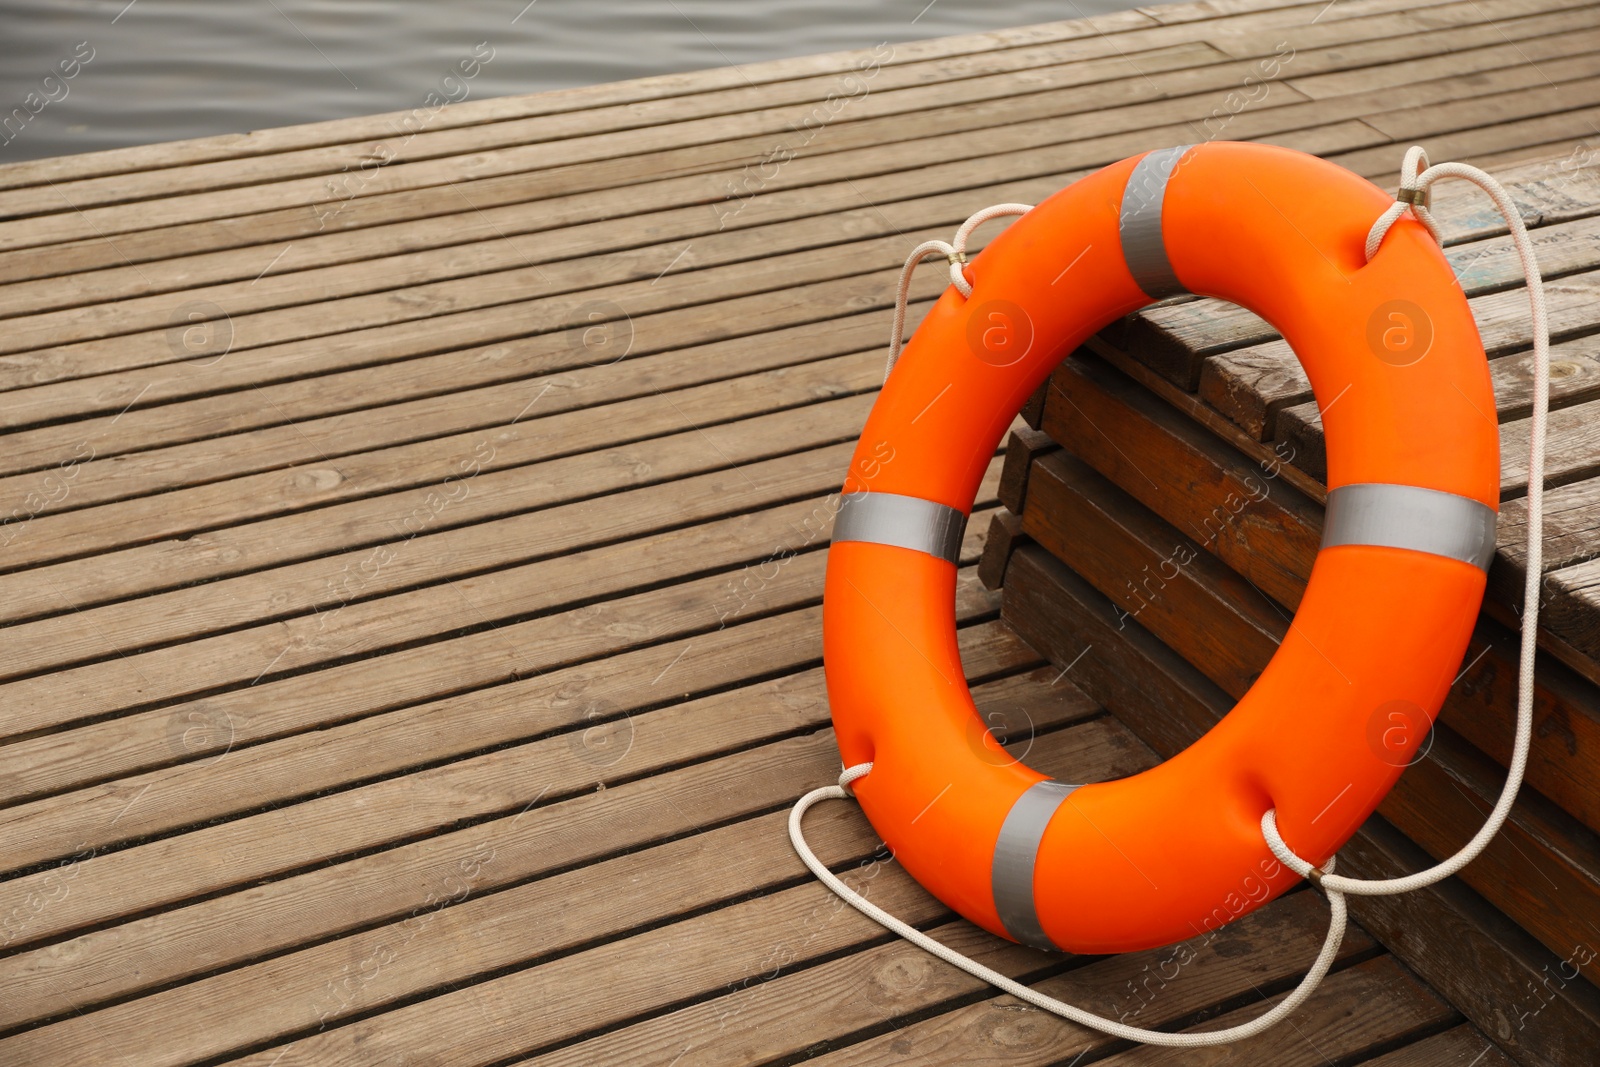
[1307,986]
[956,253]
[1416,195]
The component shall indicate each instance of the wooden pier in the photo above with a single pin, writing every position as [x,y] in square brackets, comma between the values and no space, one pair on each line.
[412,534]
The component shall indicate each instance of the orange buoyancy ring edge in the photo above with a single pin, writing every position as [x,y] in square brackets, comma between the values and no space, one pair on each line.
[1398,369]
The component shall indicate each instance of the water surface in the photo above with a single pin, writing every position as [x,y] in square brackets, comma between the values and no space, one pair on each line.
[162,70]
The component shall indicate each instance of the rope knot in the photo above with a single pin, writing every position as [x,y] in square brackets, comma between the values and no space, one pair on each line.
[956,255]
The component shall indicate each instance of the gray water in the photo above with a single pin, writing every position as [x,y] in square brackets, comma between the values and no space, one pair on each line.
[95,74]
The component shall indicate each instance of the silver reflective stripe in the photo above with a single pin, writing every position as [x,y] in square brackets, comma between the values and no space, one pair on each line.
[1406,516]
[902,521]
[1143,248]
[1014,855]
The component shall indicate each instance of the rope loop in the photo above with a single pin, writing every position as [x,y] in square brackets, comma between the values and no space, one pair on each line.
[1415,194]
[1417,178]
[956,254]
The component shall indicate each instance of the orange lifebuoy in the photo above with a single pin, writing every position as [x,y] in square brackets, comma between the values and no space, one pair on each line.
[1413,465]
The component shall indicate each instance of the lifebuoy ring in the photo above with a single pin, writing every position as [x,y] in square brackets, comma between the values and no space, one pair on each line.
[1398,369]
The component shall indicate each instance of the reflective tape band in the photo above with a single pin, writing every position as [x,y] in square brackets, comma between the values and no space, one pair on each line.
[1014,855]
[1406,516]
[1143,248]
[902,521]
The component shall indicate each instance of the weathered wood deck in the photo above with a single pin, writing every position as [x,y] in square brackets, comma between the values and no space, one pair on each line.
[414,535]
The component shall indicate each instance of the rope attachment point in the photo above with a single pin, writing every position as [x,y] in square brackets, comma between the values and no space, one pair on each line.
[955,253]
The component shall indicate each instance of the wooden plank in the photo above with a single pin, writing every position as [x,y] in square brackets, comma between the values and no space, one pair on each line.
[1005,534]
[1573,599]
[1462,1046]
[1571,447]
[1570,523]
[371,497]
[1180,340]
[1033,409]
[321,598]
[1448,935]
[1201,414]
[1378,73]
[1526,999]
[98,505]
[1023,447]
[1543,870]
[425,416]
[1341,1013]
[421,380]
[1252,385]
[283,395]
[528,290]
[1566,719]
[1493,146]
[378,741]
